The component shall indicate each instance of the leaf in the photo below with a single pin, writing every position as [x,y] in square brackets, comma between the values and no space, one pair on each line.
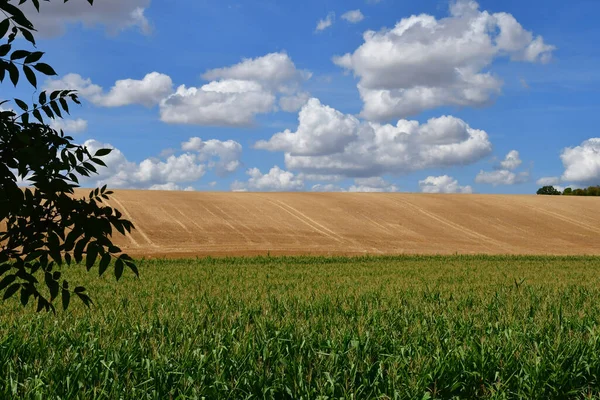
[133,268]
[64,105]
[85,298]
[36,4]
[30,75]
[52,285]
[2,70]
[119,268]
[66,298]
[5,268]
[45,69]
[102,152]
[38,115]
[42,98]
[7,281]
[11,290]
[56,109]
[79,289]
[26,293]
[14,73]
[34,57]
[18,54]
[4,49]
[4,25]
[92,253]
[104,262]
[27,35]
[22,105]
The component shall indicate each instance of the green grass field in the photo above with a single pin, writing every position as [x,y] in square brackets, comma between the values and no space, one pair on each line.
[399,328]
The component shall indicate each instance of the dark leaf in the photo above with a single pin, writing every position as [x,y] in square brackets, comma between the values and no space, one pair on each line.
[22,105]
[18,54]
[7,281]
[104,262]
[85,298]
[64,105]
[30,75]
[56,109]
[4,49]
[92,253]
[102,152]
[42,98]
[26,293]
[45,69]
[11,291]
[28,36]
[13,72]
[119,268]
[38,115]
[34,57]
[5,268]
[66,298]
[4,25]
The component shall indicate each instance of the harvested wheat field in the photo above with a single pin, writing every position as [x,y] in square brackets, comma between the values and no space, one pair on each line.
[184,224]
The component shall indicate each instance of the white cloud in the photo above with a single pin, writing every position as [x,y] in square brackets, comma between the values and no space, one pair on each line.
[217,104]
[424,63]
[328,142]
[501,177]
[276,180]
[69,125]
[512,161]
[227,153]
[238,93]
[165,174]
[275,71]
[582,163]
[548,181]
[322,130]
[325,23]
[148,92]
[353,16]
[171,187]
[372,185]
[504,173]
[114,15]
[329,187]
[294,102]
[443,184]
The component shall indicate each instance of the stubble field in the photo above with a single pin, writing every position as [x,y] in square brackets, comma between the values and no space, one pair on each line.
[187,224]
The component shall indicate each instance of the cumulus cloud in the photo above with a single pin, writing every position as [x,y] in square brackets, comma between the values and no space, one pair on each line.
[372,185]
[169,173]
[276,180]
[69,125]
[171,187]
[501,177]
[294,102]
[148,91]
[328,142]
[582,163]
[114,15]
[322,130]
[227,154]
[238,93]
[548,181]
[325,22]
[512,161]
[424,63]
[353,16]
[443,184]
[504,173]
[226,103]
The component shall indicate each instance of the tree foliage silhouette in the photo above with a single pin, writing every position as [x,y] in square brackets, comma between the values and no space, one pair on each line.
[46,226]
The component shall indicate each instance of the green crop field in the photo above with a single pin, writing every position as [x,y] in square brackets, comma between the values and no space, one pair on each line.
[307,328]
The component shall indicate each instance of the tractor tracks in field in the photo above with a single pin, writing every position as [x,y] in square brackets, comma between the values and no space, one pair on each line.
[488,241]
[137,228]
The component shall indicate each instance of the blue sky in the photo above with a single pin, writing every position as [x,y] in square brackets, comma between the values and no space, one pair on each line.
[504,93]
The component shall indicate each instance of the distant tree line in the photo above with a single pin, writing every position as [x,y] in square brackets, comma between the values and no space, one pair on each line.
[552,191]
